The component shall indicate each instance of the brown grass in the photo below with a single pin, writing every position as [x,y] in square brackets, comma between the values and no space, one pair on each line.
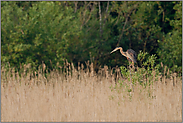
[87,96]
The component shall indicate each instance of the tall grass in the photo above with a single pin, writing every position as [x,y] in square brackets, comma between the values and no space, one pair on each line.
[78,94]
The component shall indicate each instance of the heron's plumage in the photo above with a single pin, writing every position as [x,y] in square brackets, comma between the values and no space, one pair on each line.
[130,54]
[133,55]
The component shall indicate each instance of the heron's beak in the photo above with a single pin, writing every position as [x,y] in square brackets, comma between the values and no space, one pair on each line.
[113,51]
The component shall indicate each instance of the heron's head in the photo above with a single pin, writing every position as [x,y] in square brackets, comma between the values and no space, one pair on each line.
[117,48]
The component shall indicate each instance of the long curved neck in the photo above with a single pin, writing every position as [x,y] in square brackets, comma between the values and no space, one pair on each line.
[121,50]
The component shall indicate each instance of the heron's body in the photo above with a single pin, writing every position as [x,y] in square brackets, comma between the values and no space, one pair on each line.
[129,54]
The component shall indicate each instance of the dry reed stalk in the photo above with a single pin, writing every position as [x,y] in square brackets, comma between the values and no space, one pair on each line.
[87,98]
[164,77]
[175,79]
[168,72]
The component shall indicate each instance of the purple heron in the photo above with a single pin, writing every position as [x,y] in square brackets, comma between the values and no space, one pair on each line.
[129,54]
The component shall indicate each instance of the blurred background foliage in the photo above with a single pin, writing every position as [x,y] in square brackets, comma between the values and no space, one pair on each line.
[51,32]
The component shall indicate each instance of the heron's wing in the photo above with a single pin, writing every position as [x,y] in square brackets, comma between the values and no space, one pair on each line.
[132,55]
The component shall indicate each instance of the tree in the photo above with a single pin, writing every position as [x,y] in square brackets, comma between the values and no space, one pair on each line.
[170,50]
[37,34]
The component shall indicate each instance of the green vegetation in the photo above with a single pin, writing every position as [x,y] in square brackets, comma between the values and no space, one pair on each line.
[51,32]
[145,75]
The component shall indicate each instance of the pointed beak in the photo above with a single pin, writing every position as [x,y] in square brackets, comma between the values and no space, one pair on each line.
[113,51]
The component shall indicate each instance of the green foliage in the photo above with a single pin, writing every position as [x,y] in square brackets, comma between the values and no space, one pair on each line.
[144,28]
[170,50]
[51,32]
[145,75]
[37,34]
[147,69]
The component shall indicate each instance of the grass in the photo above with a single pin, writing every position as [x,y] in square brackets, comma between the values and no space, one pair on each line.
[83,96]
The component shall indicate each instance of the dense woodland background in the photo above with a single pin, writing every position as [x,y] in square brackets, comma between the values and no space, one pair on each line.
[51,32]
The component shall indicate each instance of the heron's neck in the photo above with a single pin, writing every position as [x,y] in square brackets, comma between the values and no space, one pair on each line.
[121,50]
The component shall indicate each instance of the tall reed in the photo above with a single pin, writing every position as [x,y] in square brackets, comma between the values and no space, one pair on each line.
[80,94]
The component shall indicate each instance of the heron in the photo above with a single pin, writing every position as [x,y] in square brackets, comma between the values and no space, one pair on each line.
[129,54]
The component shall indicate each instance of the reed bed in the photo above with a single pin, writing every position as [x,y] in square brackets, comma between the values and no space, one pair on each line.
[81,95]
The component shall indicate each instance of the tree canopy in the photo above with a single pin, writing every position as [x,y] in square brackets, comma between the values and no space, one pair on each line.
[51,32]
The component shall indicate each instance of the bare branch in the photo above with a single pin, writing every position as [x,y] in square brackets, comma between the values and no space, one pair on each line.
[89,15]
[75,3]
[127,15]
[126,19]
[85,9]
[100,19]
[117,20]
[107,7]
[107,13]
